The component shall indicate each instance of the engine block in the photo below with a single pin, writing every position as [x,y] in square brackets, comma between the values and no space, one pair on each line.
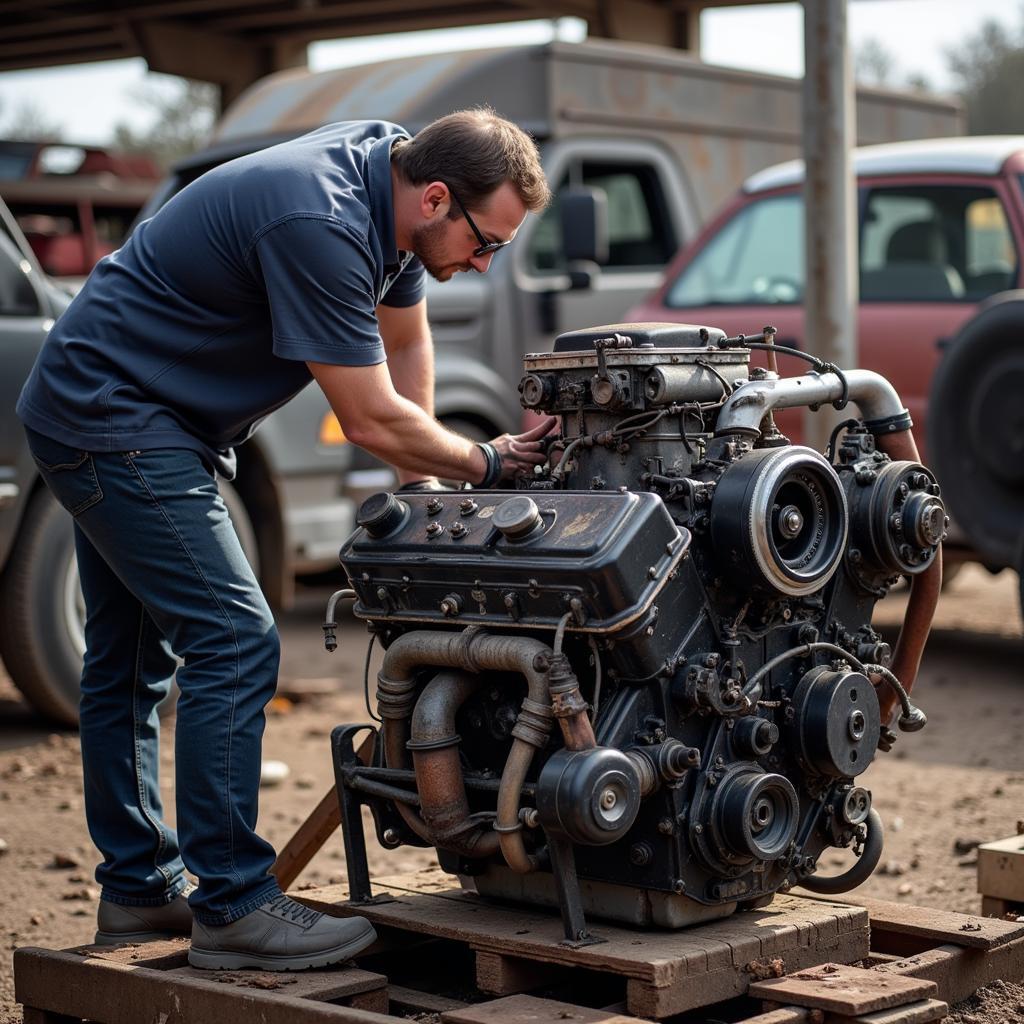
[642,684]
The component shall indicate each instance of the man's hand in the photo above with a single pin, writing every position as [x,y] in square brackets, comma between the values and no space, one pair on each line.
[430,483]
[519,453]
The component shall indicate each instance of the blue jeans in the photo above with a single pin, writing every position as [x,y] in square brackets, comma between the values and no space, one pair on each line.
[163,574]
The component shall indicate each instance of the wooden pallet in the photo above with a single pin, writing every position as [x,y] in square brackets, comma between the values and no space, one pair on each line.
[462,960]
[1001,877]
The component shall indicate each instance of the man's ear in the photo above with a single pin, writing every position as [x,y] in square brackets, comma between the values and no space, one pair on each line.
[435,200]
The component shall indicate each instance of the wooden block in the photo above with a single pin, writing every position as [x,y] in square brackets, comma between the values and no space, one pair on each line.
[376,1000]
[523,1009]
[1001,868]
[939,926]
[925,1011]
[505,975]
[842,989]
[992,906]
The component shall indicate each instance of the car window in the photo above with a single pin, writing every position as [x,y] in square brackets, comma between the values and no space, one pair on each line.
[17,296]
[756,258]
[934,243]
[640,233]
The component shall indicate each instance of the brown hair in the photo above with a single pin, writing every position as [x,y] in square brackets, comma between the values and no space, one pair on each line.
[474,152]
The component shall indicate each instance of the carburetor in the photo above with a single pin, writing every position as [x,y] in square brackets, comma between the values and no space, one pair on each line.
[642,685]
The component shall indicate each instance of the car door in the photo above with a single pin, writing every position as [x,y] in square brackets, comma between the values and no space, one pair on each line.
[25,318]
[930,251]
[647,221]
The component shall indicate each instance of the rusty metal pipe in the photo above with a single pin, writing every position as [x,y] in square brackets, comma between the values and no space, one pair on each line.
[434,743]
[924,592]
[472,651]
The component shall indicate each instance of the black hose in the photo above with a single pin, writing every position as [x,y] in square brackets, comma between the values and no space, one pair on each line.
[832,885]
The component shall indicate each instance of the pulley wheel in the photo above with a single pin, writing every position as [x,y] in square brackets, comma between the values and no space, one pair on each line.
[779,517]
[976,428]
[756,813]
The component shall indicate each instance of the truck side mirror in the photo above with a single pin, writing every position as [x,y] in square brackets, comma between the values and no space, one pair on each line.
[584,222]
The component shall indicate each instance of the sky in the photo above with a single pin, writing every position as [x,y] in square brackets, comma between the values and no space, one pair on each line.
[86,101]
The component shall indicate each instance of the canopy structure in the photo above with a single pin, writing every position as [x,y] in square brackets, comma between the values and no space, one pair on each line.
[234,42]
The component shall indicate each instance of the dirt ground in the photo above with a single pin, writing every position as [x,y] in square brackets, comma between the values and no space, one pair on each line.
[940,792]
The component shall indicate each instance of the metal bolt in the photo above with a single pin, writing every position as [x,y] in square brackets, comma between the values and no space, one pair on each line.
[679,887]
[451,605]
[382,594]
[434,528]
[652,572]
[665,827]
[467,507]
[434,505]
[458,529]
[608,799]
[390,837]
[895,522]
[640,855]
[698,830]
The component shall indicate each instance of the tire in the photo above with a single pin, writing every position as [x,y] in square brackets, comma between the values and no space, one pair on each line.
[42,629]
[976,428]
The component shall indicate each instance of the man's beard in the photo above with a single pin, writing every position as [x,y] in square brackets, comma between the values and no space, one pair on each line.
[429,245]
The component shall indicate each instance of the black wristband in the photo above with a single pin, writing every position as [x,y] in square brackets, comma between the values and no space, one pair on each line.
[492,474]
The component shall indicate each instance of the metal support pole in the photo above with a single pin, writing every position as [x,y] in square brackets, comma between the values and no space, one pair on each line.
[830,231]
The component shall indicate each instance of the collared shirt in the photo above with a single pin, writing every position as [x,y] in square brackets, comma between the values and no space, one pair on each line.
[202,323]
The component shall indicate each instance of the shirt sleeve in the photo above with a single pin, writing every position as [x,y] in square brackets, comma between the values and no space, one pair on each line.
[320,286]
[408,288]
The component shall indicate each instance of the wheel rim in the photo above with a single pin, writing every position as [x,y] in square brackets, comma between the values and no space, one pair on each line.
[74,606]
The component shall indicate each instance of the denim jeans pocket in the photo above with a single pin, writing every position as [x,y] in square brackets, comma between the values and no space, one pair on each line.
[69,472]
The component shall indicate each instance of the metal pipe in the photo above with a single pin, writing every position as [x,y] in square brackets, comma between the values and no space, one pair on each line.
[434,743]
[751,402]
[924,591]
[831,885]
[472,651]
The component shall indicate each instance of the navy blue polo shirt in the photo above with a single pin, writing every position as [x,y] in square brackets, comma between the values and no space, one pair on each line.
[202,323]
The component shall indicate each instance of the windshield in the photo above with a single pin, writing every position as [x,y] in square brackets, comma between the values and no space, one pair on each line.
[756,258]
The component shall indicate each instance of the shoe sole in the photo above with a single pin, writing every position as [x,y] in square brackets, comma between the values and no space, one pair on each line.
[234,960]
[118,938]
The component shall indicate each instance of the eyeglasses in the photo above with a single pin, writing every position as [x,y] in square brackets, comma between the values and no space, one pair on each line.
[485,247]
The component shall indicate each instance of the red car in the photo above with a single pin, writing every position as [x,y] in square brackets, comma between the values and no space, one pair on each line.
[941,233]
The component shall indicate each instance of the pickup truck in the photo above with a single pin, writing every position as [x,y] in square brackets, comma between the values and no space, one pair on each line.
[941,315]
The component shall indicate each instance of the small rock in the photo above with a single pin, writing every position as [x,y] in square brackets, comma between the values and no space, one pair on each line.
[64,860]
[905,889]
[305,782]
[68,805]
[36,920]
[85,893]
[272,773]
[78,878]
[915,862]
[3,847]
[965,844]
[897,824]
[893,867]
[998,791]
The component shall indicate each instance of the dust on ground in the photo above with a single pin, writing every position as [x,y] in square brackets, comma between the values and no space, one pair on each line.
[940,792]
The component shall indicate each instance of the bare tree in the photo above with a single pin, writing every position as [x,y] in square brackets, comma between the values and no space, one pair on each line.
[27,122]
[989,70]
[873,64]
[183,113]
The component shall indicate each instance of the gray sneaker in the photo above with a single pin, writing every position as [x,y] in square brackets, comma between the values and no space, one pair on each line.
[116,923]
[279,935]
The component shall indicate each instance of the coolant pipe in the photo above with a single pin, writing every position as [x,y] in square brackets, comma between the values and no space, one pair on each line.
[832,885]
[751,402]
[474,652]
[924,591]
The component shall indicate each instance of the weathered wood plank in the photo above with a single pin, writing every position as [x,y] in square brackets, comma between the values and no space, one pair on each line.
[939,925]
[924,1012]
[843,989]
[695,991]
[425,1002]
[113,993]
[523,1009]
[960,972]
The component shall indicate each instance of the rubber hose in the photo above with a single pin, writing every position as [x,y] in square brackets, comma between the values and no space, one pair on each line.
[832,885]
